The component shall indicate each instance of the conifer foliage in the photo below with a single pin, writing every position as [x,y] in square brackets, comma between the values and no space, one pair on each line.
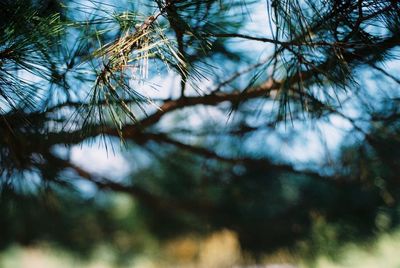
[138,72]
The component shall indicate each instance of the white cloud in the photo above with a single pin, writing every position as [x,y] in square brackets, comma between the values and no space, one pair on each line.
[98,160]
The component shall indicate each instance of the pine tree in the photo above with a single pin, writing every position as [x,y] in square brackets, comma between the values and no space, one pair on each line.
[75,71]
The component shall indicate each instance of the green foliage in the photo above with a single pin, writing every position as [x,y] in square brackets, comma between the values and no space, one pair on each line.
[27,41]
[73,71]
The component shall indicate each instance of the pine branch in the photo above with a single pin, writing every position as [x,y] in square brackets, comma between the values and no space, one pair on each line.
[155,202]
[278,42]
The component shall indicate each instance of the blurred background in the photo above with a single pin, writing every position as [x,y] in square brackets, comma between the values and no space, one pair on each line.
[217,133]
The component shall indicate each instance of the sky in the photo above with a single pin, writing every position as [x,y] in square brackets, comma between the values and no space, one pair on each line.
[316,141]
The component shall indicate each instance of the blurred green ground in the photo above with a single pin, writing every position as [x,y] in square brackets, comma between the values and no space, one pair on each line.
[220,249]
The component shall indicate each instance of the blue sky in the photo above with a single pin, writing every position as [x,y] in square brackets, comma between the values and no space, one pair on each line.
[308,141]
